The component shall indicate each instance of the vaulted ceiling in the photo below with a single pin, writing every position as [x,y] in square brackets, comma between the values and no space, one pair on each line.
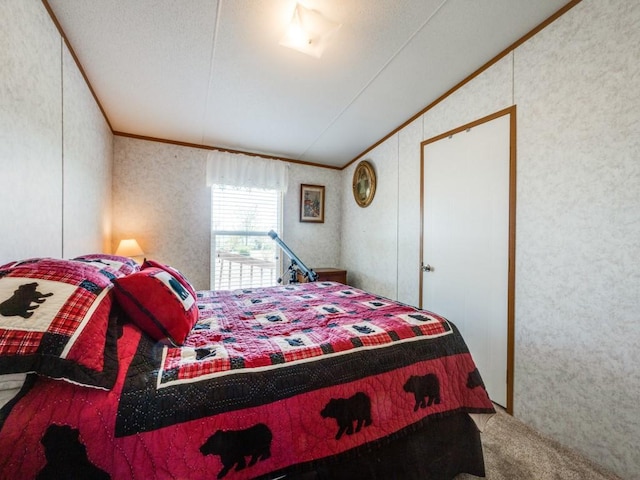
[212,72]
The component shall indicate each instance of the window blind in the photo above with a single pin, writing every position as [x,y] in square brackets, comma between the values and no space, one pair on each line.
[243,255]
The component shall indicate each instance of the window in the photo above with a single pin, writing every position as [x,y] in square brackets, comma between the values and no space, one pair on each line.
[243,255]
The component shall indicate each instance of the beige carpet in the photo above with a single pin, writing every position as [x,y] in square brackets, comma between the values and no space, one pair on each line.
[514,451]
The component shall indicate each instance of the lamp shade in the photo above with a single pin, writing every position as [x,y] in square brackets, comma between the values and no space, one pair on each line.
[129,248]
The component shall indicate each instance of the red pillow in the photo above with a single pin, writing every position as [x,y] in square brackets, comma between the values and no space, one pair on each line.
[158,303]
[181,278]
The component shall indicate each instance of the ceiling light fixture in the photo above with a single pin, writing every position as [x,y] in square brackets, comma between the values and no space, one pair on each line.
[309,31]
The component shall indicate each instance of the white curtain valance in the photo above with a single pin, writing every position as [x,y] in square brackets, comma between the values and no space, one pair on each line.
[224,168]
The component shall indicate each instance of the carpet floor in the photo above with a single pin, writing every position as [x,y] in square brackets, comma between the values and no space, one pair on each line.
[514,451]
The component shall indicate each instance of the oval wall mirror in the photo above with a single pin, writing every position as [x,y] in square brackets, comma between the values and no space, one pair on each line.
[364,183]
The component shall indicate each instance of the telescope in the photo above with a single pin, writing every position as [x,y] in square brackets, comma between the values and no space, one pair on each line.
[296,263]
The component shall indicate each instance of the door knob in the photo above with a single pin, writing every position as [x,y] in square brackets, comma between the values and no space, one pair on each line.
[427,268]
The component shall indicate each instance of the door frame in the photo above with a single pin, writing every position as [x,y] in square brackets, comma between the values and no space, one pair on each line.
[511,276]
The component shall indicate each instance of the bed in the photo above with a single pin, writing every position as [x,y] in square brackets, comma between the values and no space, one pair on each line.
[111,370]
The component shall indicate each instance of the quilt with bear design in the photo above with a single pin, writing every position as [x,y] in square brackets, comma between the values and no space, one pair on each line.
[270,381]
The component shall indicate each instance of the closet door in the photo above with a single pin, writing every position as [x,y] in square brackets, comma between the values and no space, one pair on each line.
[466,240]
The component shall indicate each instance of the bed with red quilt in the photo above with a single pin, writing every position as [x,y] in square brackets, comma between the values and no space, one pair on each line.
[112,371]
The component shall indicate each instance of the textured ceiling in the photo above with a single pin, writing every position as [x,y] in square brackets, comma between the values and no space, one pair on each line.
[212,72]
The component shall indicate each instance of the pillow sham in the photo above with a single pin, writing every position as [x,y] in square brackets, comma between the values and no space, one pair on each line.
[55,321]
[120,266]
[158,302]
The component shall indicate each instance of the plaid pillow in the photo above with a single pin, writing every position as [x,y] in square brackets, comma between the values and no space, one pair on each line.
[55,321]
[120,266]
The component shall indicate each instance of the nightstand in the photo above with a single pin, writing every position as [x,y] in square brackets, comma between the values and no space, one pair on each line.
[331,274]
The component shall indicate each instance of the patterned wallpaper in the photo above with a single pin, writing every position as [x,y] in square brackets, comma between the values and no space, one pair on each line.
[55,146]
[88,162]
[409,225]
[316,244]
[578,288]
[575,85]
[161,199]
[30,132]
[370,234]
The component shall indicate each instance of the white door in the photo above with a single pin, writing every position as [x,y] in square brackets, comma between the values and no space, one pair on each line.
[466,241]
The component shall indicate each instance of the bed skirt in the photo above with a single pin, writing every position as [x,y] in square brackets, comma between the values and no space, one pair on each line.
[443,448]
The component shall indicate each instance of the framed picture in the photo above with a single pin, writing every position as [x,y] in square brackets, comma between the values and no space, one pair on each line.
[312,203]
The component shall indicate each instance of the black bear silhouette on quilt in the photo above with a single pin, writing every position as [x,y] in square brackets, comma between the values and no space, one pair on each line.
[425,389]
[20,303]
[347,411]
[67,456]
[234,445]
[474,379]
